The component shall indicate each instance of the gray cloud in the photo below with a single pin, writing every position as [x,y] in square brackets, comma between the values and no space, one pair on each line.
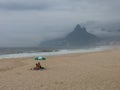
[27,22]
[23,6]
[85,5]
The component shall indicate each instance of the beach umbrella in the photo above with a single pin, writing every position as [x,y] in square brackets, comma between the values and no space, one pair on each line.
[39,58]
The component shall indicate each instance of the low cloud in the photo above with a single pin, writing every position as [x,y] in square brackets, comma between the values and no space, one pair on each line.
[23,6]
[27,22]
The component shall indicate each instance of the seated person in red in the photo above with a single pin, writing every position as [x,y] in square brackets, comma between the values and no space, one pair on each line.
[38,66]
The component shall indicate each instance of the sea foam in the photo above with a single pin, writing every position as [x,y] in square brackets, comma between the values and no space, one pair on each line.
[60,52]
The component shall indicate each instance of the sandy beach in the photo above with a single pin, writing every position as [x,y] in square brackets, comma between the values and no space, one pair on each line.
[81,71]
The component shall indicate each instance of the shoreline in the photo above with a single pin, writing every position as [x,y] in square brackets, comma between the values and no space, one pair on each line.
[60,52]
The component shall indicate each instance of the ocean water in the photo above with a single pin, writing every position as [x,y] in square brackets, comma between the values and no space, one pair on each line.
[32,52]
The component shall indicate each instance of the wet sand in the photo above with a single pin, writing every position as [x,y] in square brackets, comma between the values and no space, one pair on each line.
[80,71]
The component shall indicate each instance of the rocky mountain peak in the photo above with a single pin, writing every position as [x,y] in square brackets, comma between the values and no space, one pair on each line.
[77,38]
[79,30]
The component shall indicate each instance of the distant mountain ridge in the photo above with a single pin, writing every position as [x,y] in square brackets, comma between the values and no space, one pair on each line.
[77,38]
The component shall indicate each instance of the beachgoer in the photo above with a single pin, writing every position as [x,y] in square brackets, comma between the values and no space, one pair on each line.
[38,66]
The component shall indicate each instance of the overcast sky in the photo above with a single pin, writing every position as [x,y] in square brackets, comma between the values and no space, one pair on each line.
[27,22]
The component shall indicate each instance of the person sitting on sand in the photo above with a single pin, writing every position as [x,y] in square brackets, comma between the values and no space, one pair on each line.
[38,66]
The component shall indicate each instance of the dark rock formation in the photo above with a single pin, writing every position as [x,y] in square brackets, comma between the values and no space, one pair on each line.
[79,37]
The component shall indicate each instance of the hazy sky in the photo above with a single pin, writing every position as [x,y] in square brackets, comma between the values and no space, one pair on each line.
[27,22]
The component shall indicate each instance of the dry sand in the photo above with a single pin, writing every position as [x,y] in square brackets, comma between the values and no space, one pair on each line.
[89,71]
